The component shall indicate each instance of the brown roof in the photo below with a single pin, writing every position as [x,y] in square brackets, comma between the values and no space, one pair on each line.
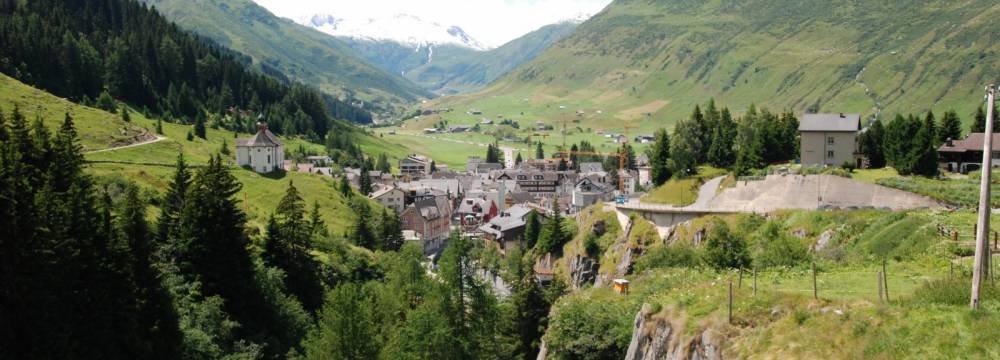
[973,142]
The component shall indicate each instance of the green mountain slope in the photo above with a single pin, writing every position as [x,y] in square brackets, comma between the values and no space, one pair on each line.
[100,131]
[296,51]
[450,69]
[649,62]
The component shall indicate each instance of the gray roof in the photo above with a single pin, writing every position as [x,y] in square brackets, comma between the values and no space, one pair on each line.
[263,137]
[586,167]
[830,122]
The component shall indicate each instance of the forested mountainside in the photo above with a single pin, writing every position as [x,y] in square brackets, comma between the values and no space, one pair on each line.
[451,69]
[641,59]
[80,49]
[297,51]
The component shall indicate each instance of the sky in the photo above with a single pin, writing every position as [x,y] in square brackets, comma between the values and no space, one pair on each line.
[492,22]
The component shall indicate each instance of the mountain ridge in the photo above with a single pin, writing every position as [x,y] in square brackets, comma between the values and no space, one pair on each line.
[297,51]
[651,62]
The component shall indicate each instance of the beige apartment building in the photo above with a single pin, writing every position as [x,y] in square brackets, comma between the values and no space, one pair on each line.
[829,139]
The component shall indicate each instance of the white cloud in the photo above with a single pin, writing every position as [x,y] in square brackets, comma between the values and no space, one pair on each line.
[493,22]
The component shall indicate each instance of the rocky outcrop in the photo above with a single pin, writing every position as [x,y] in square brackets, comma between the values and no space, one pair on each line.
[624,266]
[582,271]
[655,337]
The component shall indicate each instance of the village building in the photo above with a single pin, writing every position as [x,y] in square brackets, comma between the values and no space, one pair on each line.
[966,155]
[390,197]
[829,139]
[590,190]
[458,129]
[645,139]
[415,165]
[534,181]
[263,152]
[472,212]
[591,167]
[644,170]
[547,164]
[318,160]
[430,219]
[507,228]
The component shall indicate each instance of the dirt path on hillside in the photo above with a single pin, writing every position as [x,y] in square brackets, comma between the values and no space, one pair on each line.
[141,143]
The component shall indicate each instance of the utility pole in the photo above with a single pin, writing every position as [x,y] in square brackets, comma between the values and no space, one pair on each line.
[982,261]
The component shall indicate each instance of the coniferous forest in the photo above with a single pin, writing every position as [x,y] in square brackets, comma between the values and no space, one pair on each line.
[86,50]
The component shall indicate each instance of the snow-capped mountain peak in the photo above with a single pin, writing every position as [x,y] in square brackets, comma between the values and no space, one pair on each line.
[402,28]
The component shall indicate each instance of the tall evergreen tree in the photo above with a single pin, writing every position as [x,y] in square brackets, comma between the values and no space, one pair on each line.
[720,153]
[199,125]
[532,227]
[213,247]
[392,231]
[173,200]
[287,247]
[685,145]
[344,329]
[924,153]
[951,127]
[659,158]
[871,145]
[552,236]
[518,160]
[365,181]
[157,320]
[539,152]
[362,234]
[979,121]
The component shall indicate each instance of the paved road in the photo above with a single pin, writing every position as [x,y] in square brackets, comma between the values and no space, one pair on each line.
[141,143]
[706,193]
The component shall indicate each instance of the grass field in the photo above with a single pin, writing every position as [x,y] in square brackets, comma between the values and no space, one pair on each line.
[101,130]
[960,191]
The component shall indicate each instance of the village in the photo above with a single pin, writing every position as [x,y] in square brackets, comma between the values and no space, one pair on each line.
[492,201]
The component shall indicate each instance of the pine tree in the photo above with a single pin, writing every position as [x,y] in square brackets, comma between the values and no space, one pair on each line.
[316,224]
[345,327]
[199,125]
[659,158]
[159,126]
[362,234]
[552,236]
[924,153]
[872,145]
[213,247]
[979,121]
[288,246]
[173,201]
[531,310]
[532,227]
[392,231]
[951,127]
[157,320]
[365,181]
[126,117]
[518,160]
[107,103]
[345,187]
[539,152]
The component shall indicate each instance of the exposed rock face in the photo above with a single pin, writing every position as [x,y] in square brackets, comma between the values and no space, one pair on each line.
[542,351]
[654,337]
[624,266]
[582,271]
[823,240]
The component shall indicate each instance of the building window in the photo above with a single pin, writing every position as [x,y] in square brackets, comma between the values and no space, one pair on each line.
[268,159]
[829,154]
[522,177]
[829,140]
[996,155]
[539,177]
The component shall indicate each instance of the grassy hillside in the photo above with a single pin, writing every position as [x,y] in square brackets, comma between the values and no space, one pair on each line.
[452,69]
[927,281]
[649,62]
[296,51]
[100,130]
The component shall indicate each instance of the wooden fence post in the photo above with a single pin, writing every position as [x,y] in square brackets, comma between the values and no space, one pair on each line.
[881,295]
[954,236]
[755,281]
[815,291]
[730,302]
[885,280]
[740,283]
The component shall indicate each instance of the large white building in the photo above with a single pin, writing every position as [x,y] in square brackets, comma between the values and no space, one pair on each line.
[263,152]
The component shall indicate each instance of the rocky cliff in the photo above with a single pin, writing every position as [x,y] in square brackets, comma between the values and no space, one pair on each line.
[655,336]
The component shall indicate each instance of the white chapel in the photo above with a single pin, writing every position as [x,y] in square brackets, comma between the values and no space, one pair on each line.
[263,152]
